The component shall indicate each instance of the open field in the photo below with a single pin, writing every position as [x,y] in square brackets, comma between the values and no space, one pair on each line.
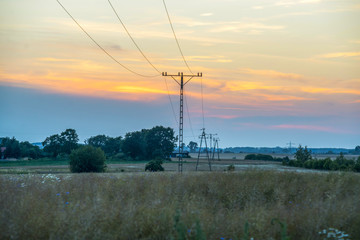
[169,205]
[114,167]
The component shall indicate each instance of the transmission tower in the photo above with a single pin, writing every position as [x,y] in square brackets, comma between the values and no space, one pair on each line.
[211,136]
[181,117]
[290,144]
[216,149]
[203,138]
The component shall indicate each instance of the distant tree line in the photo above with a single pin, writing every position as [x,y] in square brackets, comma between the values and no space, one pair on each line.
[304,159]
[265,157]
[12,148]
[147,144]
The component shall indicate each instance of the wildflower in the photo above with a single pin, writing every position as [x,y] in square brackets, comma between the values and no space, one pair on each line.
[58,194]
[67,192]
[67,203]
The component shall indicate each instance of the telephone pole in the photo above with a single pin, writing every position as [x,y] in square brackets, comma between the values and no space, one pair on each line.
[181,122]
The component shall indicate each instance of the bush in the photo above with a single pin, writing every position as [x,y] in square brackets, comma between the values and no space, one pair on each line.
[154,166]
[231,168]
[263,157]
[87,159]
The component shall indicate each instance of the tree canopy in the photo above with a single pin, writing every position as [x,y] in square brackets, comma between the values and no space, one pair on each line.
[109,145]
[63,143]
[158,142]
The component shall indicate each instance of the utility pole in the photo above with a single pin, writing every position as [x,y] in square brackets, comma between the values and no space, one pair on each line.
[181,121]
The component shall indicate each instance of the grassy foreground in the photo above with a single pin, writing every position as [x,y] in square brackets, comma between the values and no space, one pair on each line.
[173,206]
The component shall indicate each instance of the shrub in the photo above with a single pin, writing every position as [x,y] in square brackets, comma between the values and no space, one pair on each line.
[334,166]
[263,157]
[231,167]
[308,164]
[357,166]
[303,154]
[154,166]
[327,164]
[87,159]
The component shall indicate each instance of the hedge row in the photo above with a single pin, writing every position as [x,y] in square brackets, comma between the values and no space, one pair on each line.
[340,163]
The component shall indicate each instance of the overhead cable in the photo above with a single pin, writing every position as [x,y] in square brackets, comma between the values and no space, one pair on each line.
[132,39]
[177,42]
[132,71]
[202,102]
[188,113]
[142,53]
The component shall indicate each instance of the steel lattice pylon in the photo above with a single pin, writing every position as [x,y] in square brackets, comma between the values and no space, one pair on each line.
[181,120]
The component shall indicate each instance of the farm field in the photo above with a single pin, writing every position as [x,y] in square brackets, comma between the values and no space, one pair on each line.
[194,205]
[114,167]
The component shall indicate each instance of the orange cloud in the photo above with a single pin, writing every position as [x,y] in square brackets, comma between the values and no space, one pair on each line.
[340,55]
[270,73]
[330,90]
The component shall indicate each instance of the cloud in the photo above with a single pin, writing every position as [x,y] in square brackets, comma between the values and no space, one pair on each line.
[221,116]
[241,27]
[218,59]
[270,73]
[206,14]
[306,127]
[340,55]
[323,90]
[287,3]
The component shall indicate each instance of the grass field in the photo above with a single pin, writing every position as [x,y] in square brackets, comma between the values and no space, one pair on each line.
[191,205]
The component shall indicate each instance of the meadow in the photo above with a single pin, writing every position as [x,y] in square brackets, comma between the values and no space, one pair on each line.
[247,204]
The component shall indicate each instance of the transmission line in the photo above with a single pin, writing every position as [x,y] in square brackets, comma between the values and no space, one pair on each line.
[101,46]
[177,42]
[188,114]
[172,106]
[202,103]
[142,53]
[132,39]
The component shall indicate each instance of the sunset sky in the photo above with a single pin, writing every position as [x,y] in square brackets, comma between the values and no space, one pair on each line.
[273,71]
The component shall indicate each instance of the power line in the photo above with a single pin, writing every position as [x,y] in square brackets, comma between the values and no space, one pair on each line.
[172,106]
[101,46]
[202,103]
[188,113]
[177,42]
[142,53]
[132,39]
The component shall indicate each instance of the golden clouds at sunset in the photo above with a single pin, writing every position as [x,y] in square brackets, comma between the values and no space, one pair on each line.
[262,58]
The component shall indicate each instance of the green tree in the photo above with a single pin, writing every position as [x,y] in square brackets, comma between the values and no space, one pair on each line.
[29,150]
[134,145]
[160,142]
[52,145]
[12,147]
[302,154]
[357,150]
[154,166]
[87,159]
[69,140]
[108,144]
[63,143]
[192,145]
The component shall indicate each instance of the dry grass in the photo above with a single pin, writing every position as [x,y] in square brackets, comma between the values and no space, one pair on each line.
[146,205]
